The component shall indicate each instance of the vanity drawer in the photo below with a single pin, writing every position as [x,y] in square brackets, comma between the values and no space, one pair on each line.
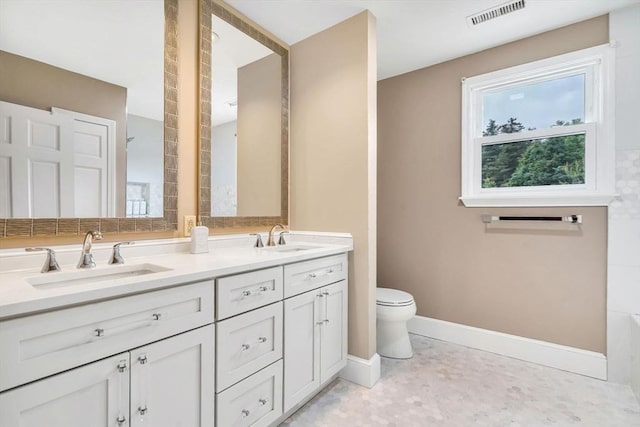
[35,346]
[256,401]
[244,292]
[248,343]
[307,275]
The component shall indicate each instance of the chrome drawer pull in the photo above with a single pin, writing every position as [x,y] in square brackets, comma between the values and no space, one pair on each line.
[121,420]
[262,339]
[245,347]
[99,332]
[245,413]
[122,366]
[156,316]
[246,293]
[142,410]
[262,401]
[142,359]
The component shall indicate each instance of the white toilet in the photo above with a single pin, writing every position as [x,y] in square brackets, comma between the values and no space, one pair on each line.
[393,309]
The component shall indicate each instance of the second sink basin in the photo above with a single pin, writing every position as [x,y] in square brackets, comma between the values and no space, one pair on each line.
[80,277]
[290,248]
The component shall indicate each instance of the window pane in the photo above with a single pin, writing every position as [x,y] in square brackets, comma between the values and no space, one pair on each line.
[534,106]
[545,161]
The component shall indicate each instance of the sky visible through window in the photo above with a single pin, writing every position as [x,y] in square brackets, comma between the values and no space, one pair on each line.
[537,105]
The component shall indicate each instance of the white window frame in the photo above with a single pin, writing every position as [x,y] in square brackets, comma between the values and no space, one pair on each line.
[596,64]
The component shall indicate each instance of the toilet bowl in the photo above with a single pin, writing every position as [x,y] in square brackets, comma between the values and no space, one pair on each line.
[393,309]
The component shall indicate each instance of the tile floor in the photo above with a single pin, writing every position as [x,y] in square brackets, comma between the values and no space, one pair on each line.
[449,385]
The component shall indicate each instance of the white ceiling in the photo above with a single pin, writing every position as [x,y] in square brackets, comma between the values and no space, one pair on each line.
[118,41]
[413,34]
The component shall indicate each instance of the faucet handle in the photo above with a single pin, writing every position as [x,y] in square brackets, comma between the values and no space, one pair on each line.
[116,258]
[258,243]
[281,240]
[50,264]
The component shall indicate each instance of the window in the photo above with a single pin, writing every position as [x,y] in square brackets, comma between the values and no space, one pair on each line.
[540,134]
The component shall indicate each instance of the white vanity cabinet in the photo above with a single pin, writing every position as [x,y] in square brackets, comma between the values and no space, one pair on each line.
[167,383]
[140,360]
[315,346]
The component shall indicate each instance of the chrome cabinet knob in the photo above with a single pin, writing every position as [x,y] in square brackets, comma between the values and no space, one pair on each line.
[262,339]
[99,332]
[312,275]
[262,402]
[245,413]
[156,316]
[264,288]
[245,347]
[246,293]
[142,359]
[122,366]
[142,410]
[325,293]
[121,420]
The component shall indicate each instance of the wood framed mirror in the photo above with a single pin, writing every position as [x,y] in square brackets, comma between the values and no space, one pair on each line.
[244,123]
[100,27]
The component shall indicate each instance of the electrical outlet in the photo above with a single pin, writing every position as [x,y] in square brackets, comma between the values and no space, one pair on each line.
[189,223]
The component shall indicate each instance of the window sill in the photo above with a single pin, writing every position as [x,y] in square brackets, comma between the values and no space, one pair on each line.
[537,200]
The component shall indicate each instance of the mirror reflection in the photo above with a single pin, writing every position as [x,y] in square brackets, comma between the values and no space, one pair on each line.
[246,117]
[81,108]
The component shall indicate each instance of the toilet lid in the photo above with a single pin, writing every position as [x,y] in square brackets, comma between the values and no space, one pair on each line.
[387,296]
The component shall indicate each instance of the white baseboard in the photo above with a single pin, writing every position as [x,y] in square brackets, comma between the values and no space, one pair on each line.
[570,359]
[362,371]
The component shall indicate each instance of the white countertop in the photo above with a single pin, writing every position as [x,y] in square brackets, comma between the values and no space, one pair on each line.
[18,297]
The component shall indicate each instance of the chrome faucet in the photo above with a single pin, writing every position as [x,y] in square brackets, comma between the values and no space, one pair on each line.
[270,240]
[116,258]
[50,264]
[86,258]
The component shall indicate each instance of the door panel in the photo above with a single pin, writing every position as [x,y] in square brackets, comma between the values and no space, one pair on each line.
[95,395]
[172,381]
[301,347]
[334,330]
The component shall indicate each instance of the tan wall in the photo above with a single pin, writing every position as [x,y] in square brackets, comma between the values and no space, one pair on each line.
[545,284]
[39,85]
[259,137]
[333,96]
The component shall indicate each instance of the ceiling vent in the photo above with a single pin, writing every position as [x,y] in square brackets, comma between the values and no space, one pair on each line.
[495,12]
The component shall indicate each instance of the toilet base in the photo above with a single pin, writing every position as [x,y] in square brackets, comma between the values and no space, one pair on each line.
[393,339]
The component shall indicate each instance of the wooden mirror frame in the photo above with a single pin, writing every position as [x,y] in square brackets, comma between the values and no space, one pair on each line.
[207,8]
[53,227]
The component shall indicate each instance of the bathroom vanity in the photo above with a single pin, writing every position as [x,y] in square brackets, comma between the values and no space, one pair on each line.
[240,336]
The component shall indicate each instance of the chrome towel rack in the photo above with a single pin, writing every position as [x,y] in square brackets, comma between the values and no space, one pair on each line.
[574,219]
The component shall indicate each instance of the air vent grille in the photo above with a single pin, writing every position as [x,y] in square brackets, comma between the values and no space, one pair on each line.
[495,12]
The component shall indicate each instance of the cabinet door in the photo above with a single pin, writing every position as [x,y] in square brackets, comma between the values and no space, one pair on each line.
[95,395]
[172,381]
[301,347]
[333,332]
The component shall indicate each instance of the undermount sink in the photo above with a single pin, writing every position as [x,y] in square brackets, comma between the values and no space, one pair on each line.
[290,248]
[80,277]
